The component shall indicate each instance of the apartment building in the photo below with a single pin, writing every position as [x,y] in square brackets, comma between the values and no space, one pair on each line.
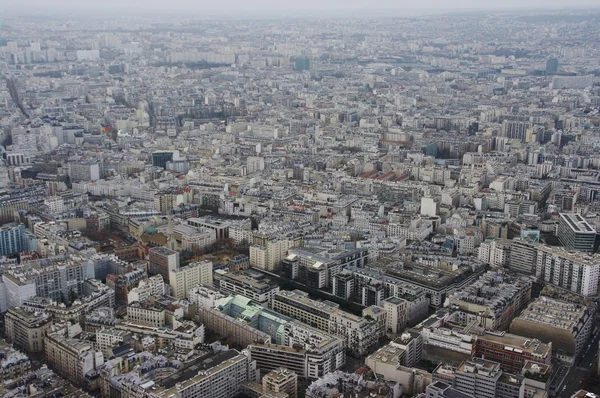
[220,376]
[405,351]
[194,274]
[71,358]
[281,380]
[161,261]
[147,288]
[482,379]
[269,256]
[204,296]
[577,272]
[146,313]
[108,338]
[360,334]
[493,299]
[397,314]
[27,329]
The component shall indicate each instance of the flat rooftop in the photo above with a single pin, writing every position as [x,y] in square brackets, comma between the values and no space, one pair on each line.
[554,313]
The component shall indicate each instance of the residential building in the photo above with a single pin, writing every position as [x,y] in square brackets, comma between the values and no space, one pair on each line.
[219,376]
[15,239]
[397,314]
[577,272]
[72,358]
[492,300]
[360,334]
[204,296]
[481,378]
[343,284]
[281,380]
[146,313]
[184,278]
[27,329]
[523,256]
[161,261]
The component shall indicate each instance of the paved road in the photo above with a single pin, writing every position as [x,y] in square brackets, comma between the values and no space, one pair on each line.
[579,372]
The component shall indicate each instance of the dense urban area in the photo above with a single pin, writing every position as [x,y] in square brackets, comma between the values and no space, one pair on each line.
[378,207]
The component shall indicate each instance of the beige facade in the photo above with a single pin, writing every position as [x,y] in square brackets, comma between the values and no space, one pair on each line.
[269,256]
[281,380]
[397,314]
[72,358]
[183,279]
[27,329]
[146,314]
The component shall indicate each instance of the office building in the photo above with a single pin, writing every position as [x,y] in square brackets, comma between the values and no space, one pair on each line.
[27,329]
[86,170]
[575,233]
[552,66]
[275,340]
[161,158]
[184,278]
[252,286]
[302,63]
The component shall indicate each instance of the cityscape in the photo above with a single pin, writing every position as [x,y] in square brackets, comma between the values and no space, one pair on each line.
[344,202]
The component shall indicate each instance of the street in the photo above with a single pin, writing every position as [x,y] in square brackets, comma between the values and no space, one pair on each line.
[574,380]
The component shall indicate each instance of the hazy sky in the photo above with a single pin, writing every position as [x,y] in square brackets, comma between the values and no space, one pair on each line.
[290,5]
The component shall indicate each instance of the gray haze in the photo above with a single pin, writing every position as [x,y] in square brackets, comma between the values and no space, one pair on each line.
[199,5]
